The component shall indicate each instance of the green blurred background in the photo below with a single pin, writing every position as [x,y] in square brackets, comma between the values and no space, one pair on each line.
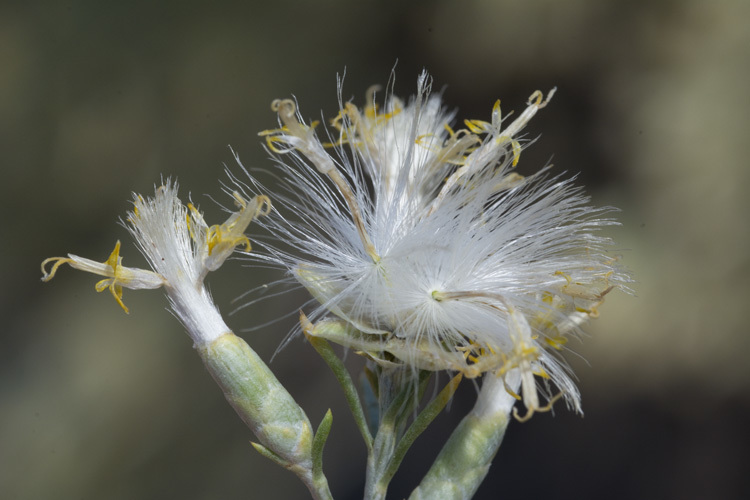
[98,99]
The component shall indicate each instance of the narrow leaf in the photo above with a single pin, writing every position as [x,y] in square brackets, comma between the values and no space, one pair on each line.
[347,384]
[423,420]
[319,442]
[271,455]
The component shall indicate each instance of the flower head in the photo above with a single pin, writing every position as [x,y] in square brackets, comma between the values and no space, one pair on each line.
[181,249]
[423,247]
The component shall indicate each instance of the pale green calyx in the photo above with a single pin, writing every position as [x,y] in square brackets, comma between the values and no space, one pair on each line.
[465,459]
[259,399]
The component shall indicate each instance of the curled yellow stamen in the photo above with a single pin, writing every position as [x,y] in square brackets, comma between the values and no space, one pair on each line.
[530,411]
[502,137]
[58,261]
[219,241]
[116,275]
[300,137]
[286,110]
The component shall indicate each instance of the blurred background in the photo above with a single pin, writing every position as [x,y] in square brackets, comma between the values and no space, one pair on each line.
[98,99]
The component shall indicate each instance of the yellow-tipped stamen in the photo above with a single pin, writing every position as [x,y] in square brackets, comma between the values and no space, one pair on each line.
[502,137]
[531,411]
[313,150]
[231,233]
[535,103]
[524,353]
[113,261]
[210,247]
[216,243]
[116,275]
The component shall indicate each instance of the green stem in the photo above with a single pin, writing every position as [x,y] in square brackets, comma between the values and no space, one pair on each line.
[420,424]
[378,460]
[399,394]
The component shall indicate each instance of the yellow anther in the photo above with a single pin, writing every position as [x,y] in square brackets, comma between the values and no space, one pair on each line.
[271,141]
[195,215]
[478,126]
[371,107]
[511,391]
[516,151]
[483,127]
[112,283]
[217,237]
[114,261]
[225,237]
[116,290]
[114,258]
[556,342]
[497,116]
[135,214]
[273,131]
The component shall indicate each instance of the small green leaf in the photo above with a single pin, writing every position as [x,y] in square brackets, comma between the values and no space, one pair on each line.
[319,442]
[423,420]
[347,384]
[271,455]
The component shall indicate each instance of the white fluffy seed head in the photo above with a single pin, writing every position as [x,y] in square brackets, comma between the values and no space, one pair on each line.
[428,244]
